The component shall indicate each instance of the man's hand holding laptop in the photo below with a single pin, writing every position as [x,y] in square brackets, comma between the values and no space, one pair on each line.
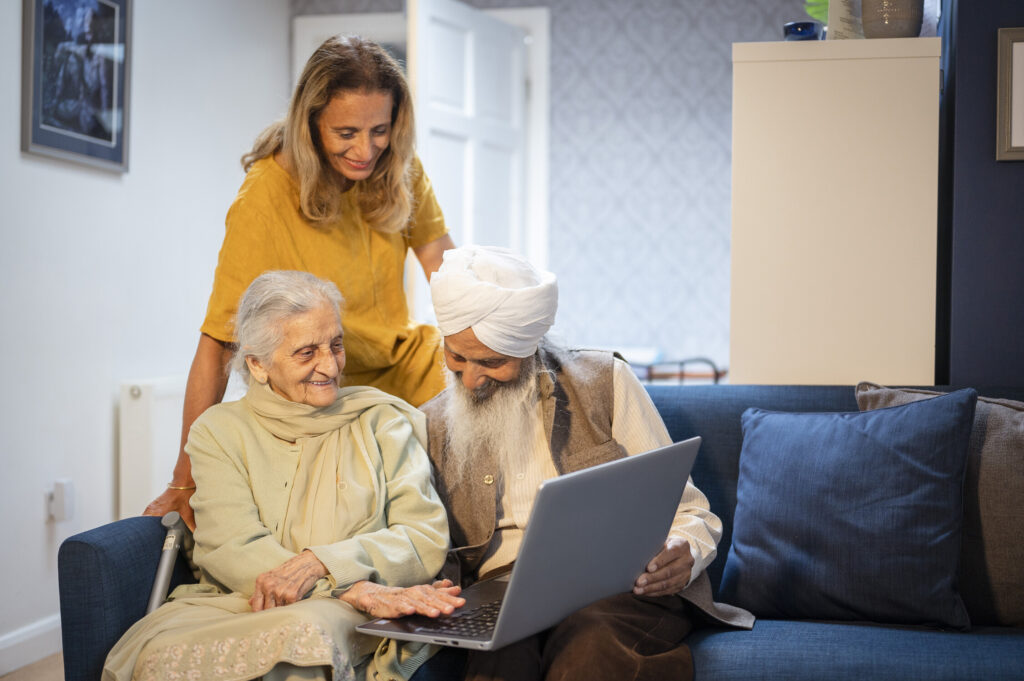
[668,572]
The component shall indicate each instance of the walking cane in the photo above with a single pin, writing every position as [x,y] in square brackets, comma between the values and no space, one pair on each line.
[172,543]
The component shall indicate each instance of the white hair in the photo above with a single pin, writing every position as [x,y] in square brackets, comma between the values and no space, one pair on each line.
[271,299]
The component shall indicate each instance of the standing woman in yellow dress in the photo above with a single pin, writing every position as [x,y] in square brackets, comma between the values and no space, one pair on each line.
[334,189]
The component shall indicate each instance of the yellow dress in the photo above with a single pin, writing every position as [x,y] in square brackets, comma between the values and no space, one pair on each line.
[349,482]
[266,231]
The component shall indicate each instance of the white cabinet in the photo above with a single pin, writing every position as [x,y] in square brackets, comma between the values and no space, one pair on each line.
[834,191]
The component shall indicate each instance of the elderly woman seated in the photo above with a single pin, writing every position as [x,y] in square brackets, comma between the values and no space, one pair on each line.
[313,506]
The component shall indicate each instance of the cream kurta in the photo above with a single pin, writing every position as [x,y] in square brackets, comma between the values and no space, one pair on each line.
[350,482]
[637,426]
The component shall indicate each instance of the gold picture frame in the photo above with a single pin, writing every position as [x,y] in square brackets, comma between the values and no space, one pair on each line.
[1010,96]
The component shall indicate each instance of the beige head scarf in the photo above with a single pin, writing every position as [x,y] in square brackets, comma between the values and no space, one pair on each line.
[508,304]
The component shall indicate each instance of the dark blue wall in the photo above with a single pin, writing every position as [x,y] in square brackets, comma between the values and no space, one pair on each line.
[986,257]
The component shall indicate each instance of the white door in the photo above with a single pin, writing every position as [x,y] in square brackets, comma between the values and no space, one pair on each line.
[467,71]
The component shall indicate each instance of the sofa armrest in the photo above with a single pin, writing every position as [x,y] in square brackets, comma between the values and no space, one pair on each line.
[105,576]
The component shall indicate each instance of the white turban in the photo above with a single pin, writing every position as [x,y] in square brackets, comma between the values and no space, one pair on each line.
[508,304]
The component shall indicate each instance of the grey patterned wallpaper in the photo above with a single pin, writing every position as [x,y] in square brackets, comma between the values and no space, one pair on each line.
[641,128]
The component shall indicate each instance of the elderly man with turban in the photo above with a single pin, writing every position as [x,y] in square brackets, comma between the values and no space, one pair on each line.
[519,410]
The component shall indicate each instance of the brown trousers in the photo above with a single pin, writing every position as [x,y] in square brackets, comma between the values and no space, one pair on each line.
[620,638]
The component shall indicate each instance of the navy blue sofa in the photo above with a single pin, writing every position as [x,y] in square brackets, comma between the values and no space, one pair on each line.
[106,573]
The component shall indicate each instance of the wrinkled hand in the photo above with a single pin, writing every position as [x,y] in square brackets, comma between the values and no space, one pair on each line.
[288,582]
[378,600]
[173,500]
[668,572]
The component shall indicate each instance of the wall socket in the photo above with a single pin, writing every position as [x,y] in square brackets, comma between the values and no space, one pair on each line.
[60,501]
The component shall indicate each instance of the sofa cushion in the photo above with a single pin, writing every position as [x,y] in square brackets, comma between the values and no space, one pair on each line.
[812,651]
[853,515]
[992,554]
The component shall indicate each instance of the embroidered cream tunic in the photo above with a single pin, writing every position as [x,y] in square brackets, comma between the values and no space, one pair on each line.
[350,482]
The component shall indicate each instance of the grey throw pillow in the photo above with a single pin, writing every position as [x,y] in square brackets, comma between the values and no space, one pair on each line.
[991,577]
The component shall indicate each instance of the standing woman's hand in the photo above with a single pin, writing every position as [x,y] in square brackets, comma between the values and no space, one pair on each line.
[288,582]
[174,500]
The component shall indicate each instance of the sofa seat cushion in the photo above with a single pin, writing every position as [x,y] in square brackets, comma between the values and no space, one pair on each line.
[812,651]
[852,516]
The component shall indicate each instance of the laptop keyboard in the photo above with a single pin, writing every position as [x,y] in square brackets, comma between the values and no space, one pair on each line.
[477,622]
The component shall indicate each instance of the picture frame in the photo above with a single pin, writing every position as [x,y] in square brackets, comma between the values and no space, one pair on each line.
[76,56]
[1010,96]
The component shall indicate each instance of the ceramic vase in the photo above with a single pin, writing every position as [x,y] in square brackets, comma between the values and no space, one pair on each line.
[891,18]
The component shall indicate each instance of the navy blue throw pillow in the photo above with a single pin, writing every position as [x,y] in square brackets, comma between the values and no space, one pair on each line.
[852,516]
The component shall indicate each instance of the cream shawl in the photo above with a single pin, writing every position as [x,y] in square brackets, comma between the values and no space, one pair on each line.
[350,482]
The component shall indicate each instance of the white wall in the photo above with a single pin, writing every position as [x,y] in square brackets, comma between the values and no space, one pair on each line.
[104,277]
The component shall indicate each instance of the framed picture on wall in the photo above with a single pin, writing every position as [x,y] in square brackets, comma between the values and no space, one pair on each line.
[1010,96]
[74,95]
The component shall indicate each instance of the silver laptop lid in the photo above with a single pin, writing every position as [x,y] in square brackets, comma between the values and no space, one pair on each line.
[591,534]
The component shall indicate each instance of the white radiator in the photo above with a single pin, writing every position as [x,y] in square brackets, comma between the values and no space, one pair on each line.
[149,436]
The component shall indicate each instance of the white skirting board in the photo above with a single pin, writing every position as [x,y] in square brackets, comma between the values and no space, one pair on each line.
[29,644]
[149,437]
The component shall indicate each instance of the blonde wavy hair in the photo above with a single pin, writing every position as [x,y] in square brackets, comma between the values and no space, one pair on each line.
[346,64]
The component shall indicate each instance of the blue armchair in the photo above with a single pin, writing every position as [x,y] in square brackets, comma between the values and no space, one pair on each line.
[105,577]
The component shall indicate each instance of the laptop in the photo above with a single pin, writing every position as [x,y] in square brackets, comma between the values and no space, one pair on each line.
[590,535]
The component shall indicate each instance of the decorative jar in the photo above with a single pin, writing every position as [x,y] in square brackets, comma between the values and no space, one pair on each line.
[891,18]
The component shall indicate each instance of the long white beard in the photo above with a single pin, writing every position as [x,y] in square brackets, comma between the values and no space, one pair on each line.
[501,421]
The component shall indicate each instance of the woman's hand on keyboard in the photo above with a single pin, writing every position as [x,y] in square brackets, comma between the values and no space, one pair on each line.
[431,600]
